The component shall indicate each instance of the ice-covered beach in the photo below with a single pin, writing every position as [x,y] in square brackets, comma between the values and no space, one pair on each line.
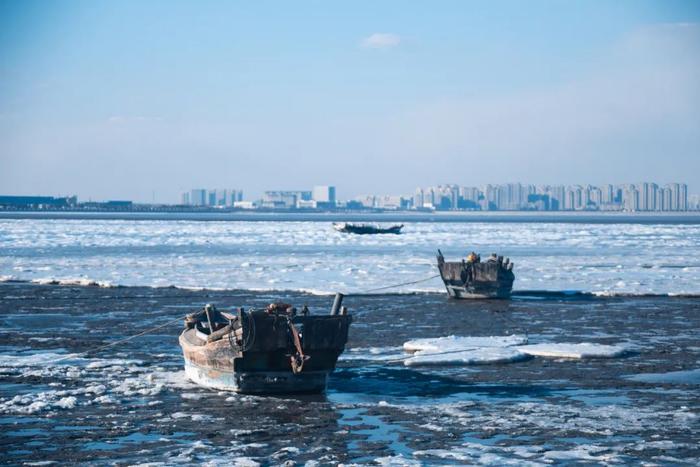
[533,381]
[594,360]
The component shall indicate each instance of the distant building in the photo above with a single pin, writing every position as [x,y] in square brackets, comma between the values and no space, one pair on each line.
[630,198]
[306,204]
[113,205]
[198,197]
[37,202]
[212,197]
[694,203]
[392,202]
[244,205]
[284,199]
[324,195]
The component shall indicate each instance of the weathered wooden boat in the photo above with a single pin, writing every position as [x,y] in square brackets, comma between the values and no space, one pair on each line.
[273,350]
[476,279]
[367,229]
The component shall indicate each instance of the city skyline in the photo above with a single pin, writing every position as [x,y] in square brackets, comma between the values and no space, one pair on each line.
[145,100]
[631,197]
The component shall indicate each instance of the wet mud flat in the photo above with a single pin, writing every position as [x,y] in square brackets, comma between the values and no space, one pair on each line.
[131,403]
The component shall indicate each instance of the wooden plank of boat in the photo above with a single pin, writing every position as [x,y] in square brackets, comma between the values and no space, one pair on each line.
[490,279]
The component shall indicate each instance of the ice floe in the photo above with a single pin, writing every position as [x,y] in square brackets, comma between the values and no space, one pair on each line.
[480,350]
[576,351]
[450,343]
[483,356]
[465,350]
[691,377]
[81,281]
[372,354]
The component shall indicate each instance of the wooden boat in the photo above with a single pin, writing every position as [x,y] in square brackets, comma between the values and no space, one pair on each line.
[367,229]
[273,350]
[489,279]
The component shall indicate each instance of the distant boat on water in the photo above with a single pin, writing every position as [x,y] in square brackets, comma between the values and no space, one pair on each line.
[367,229]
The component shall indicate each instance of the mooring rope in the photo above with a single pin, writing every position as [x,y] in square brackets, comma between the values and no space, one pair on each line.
[120,341]
[395,285]
[246,341]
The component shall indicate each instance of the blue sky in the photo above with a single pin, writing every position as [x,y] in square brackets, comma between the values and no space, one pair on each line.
[123,99]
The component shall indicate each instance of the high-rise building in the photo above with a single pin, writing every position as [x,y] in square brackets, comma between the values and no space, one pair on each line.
[198,197]
[683,197]
[233,196]
[630,198]
[595,197]
[470,193]
[418,199]
[492,198]
[324,194]
[675,196]
[608,194]
[665,198]
[694,202]
[211,198]
[556,197]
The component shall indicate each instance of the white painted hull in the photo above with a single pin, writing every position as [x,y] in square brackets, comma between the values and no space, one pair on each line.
[257,382]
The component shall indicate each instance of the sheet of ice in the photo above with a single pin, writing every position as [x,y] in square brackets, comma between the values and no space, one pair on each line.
[690,377]
[373,354]
[577,350]
[482,356]
[453,343]
[601,258]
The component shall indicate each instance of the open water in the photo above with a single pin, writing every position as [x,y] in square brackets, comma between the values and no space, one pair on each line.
[607,375]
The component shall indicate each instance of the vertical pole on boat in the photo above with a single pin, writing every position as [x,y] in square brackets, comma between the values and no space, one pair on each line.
[336,303]
[207,309]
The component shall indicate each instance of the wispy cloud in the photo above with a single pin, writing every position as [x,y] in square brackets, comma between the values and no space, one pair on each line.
[381,40]
[124,119]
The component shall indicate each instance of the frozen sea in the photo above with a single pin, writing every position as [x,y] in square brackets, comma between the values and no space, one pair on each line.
[310,256]
[610,375]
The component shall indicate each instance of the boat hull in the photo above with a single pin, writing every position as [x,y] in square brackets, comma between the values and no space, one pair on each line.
[367,229]
[261,364]
[476,280]
[490,291]
[257,382]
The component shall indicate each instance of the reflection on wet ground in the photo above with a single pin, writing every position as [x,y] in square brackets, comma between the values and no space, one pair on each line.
[131,403]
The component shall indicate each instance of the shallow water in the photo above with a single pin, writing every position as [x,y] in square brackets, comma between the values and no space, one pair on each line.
[311,256]
[131,403]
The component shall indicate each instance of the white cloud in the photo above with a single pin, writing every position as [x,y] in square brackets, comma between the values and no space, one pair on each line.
[381,40]
[124,119]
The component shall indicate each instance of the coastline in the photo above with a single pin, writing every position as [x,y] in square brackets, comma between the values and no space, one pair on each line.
[517,295]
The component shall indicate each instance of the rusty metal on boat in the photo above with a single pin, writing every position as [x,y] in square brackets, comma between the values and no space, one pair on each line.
[273,350]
